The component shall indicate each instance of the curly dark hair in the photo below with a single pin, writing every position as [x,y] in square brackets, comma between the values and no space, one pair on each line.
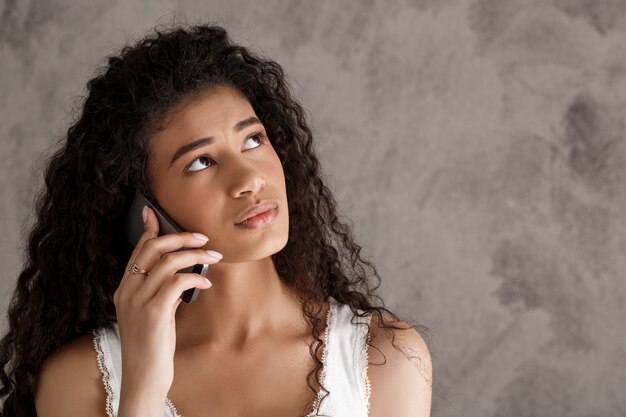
[77,251]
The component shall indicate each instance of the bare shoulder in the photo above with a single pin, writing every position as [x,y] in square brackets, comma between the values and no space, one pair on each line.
[70,383]
[401,380]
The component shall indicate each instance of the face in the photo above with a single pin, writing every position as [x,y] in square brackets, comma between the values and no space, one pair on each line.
[207,187]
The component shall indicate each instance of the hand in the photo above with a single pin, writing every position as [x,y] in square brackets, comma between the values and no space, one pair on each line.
[146,307]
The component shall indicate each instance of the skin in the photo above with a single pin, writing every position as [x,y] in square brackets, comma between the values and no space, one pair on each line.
[248,319]
[247,299]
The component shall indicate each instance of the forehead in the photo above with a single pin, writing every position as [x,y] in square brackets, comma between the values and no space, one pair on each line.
[205,114]
[212,107]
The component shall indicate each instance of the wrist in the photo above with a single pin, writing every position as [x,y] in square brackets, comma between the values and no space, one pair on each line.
[140,403]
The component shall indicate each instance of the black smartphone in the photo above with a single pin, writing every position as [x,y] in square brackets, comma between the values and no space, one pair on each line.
[134,229]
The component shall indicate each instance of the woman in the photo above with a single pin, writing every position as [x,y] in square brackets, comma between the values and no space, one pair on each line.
[286,326]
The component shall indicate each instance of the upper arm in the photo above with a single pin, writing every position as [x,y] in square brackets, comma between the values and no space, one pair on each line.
[69,383]
[402,387]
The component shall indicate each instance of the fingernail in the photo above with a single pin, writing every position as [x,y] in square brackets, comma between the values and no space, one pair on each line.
[144,213]
[201,236]
[215,254]
[208,282]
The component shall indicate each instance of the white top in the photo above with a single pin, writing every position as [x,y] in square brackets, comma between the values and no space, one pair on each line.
[344,371]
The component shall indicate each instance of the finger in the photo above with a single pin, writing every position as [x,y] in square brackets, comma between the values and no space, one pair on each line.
[170,292]
[150,230]
[160,245]
[167,267]
[152,247]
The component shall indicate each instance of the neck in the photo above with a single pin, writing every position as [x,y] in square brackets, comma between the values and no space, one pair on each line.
[248,302]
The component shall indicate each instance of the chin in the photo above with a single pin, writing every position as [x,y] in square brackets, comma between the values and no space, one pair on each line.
[254,250]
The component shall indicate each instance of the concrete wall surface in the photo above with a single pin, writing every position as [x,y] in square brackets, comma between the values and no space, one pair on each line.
[478,145]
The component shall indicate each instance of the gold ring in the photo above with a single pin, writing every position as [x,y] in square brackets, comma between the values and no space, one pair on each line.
[134,268]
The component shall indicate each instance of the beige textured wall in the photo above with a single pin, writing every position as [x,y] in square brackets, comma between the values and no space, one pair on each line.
[479,146]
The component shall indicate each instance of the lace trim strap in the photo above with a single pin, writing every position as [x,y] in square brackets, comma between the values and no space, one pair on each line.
[329,320]
[171,408]
[106,373]
[98,342]
[365,339]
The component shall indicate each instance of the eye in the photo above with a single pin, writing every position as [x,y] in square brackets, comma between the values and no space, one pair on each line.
[261,138]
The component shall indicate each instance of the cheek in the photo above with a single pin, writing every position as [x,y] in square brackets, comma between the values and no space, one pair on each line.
[274,169]
[201,211]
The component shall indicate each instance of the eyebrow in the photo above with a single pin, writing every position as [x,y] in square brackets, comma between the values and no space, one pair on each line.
[210,139]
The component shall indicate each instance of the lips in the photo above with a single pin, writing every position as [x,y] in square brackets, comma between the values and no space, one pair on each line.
[255,209]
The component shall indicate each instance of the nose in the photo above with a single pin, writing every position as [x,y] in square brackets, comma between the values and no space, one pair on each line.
[245,178]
